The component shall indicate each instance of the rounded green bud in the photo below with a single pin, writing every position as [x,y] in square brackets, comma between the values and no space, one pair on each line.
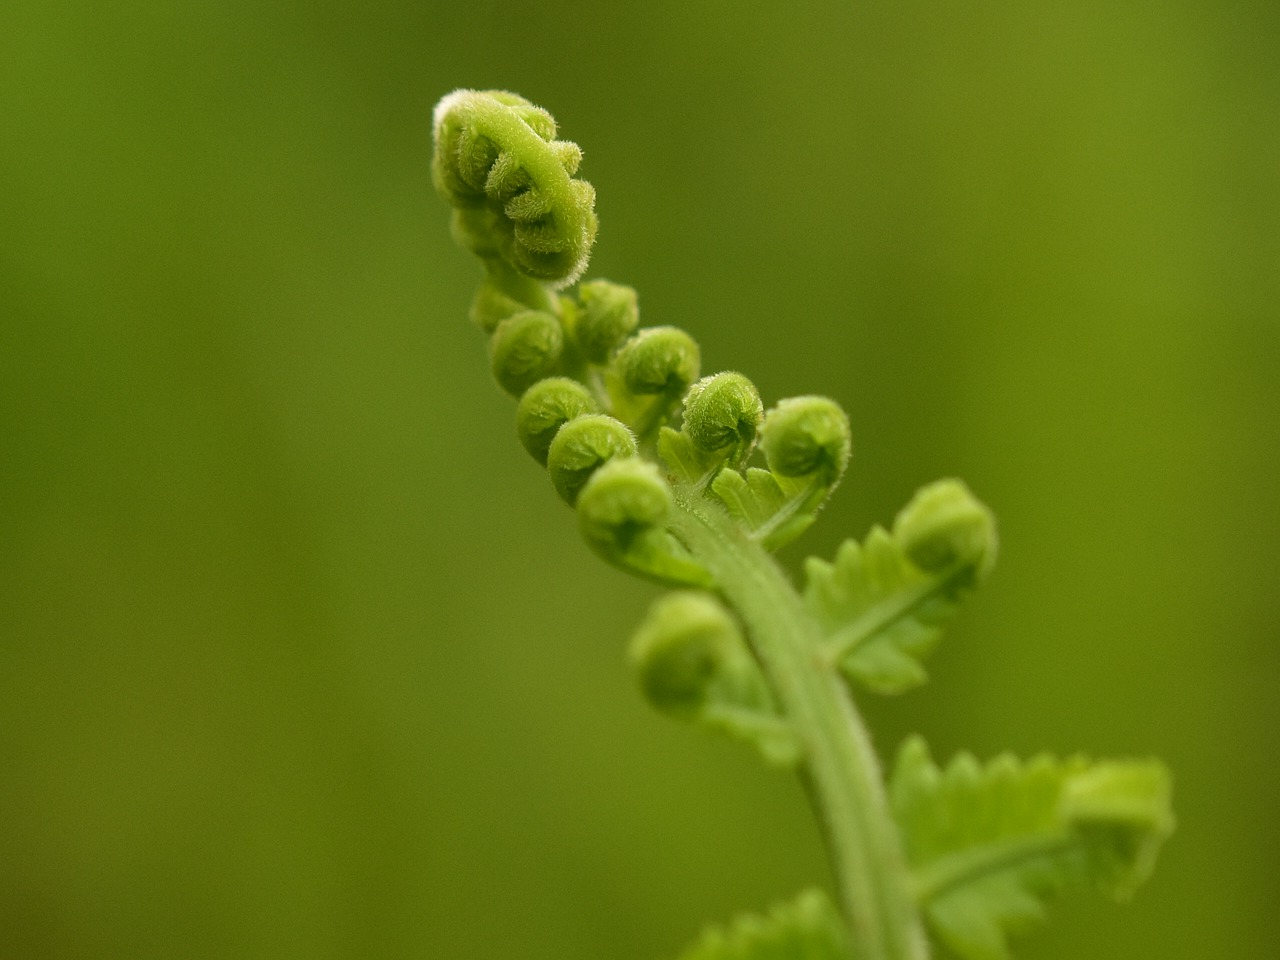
[545,407]
[607,315]
[581,446]
[622,511]
[621,502]
[946,526]
[722,409]
[807,435]
[684,643]
[659,360]
[524,349]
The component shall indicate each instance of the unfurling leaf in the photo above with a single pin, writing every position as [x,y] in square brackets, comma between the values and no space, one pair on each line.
[773,509]
[883,602]
[987,844]
[882,613]
[685,462]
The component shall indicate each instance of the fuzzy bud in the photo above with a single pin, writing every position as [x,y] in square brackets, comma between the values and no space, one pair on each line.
[608,314]
[622,512]
[622,500]
[659,360]
[945,526]
[581,446]
[497,160]
[722,409]
[524,349]
[680,648]
[545,407]
[807,435]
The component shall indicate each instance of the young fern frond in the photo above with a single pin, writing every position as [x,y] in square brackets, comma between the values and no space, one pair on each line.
[883,602]
[658,464]
[511,184]
[989,843]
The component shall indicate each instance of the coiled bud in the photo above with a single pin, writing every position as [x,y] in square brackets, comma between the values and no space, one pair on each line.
[659,360]
[807,435]
[581,446]
[545,407]
[1123,810]
[946,526]
[722,409]
[608,314]
[496,152]
[622,511]
[525,348]
[682,646]
[622,500]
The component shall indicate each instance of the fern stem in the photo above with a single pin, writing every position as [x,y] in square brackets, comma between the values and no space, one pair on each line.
[519,287]
[840,768]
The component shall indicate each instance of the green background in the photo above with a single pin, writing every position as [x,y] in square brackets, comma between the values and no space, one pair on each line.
[300,656]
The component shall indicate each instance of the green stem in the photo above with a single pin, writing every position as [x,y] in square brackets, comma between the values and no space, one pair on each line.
[840,767]
[522,289]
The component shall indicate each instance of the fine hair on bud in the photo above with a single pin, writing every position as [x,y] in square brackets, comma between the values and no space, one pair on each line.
[685,641]
[659,360]
[807,435]
[623,500]
[545,407]
[525,348]
[946,526]
[722,409]
[496,158]
[550,247]
[607,315]
[581,446]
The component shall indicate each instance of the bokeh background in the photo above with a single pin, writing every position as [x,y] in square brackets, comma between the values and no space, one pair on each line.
[300,656]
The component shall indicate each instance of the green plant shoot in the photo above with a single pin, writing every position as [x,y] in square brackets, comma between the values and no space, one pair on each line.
[688,480]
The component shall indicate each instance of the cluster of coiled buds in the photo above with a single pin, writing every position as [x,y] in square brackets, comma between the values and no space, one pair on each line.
[619,414]
[510,181]
[657,460]
[631,432]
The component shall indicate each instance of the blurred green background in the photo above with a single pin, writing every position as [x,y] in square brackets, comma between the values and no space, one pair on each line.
[300,656]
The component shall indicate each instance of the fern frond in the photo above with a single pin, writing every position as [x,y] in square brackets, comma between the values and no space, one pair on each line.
[988,844]
[881,612]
